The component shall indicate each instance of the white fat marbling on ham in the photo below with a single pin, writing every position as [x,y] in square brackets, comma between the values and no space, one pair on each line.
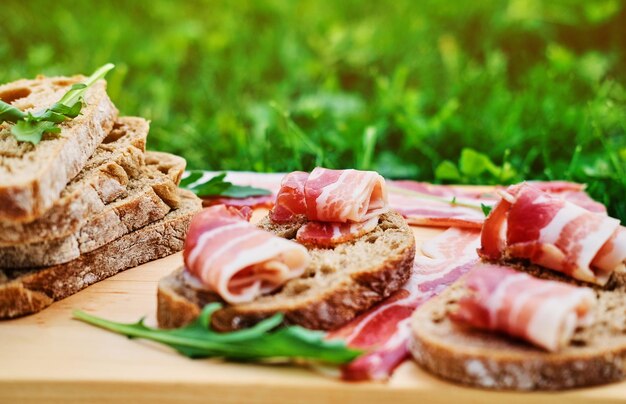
[235,259]
[383,331]
[542,312]
[340,205]
[531,224]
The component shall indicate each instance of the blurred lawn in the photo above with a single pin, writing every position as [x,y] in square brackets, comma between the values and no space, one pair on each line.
[400,87]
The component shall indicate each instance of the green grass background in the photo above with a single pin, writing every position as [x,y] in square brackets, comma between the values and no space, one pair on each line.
[408,88]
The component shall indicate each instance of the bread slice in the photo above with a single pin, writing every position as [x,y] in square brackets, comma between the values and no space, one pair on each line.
[104,178]
[28,291]
[33,176]
[337,285]
[596,354]
[150,197]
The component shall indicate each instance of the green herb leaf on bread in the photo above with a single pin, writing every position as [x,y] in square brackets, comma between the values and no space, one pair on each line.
[30,127]
[261,342]
[217,186]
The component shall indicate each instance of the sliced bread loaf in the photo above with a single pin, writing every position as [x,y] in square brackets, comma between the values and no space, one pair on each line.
[104,178]
[596,354]
[31,290]
[33,176]
[150,197]
[338,284]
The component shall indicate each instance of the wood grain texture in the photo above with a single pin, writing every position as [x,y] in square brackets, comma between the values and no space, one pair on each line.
[48,357]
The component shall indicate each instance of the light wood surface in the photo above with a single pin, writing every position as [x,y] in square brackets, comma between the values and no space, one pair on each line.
[48,357]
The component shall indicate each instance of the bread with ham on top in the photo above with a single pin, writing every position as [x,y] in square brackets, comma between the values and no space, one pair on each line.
[329,249]
[544,310]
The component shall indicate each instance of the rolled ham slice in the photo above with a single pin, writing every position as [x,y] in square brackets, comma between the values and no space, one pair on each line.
[344,195]
[544,313]
[235,259]
[290,200]
[531,224]
[340,205]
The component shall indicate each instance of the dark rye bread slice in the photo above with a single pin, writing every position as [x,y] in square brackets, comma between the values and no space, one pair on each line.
[25,292]
[33,176]
[337,285]
[104,178]
[596,354]
[149,197]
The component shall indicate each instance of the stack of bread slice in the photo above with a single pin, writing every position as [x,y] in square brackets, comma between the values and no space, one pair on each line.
[83,204]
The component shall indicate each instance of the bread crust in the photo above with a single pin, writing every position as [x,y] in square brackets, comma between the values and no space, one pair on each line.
[336,304]
[495,361]
[25,292]
[105,177]
[58,158]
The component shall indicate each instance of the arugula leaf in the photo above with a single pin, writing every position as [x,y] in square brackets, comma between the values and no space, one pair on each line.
[9,113]
[486,209]
[30,127]
[263,341]
[216,186]
[31,131]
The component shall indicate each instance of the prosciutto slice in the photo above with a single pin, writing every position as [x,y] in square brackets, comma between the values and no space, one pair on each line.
[531,224]
[545,313]
[230,256]
[383,331]
[411,199]
[339,204]
[290,200]
[328,234]
[344,195]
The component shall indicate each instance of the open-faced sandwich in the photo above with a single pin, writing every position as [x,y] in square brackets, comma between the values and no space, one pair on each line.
[329,249]
[545,309]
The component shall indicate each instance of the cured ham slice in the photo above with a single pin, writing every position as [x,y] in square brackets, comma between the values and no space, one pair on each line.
[339,204]
[344,195]
[290,200]
[531,224]
[328,234]
[383,331]
[411,199]
[545,313]
[235,259]
[261,201]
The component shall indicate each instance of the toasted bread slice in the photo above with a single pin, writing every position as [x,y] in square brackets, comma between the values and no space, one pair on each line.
[104,178]
[33,176]
[150,197]
[596,354]
[28,291]
[338,284]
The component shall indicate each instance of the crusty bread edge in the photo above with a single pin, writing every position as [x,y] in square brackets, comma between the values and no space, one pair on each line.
[26,202]
[510,369]
[36,291]
[344,302]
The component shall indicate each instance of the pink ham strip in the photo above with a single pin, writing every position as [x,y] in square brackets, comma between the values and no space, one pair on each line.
[228,255]
[344,195]
[328,234]
[384,329]
[424,212]
[290,200]
[545,313]
[340,205]
[554,233]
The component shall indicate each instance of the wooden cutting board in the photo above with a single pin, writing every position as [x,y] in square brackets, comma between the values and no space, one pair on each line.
[48,357]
